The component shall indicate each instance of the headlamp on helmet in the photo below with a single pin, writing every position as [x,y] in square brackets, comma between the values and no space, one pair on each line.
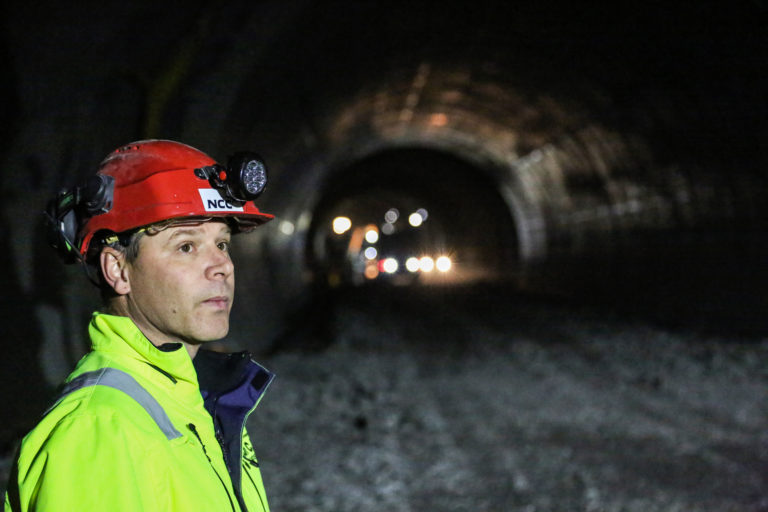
[243,179]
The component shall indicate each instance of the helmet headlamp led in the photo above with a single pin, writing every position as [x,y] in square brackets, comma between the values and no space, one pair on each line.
[254,176]
[244,178]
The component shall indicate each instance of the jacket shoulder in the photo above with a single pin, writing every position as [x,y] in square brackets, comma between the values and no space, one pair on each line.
[102,409]
[87,443]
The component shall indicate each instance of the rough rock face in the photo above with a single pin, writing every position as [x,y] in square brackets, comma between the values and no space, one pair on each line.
[455,403]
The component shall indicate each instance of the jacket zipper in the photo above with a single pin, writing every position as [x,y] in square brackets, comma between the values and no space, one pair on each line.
[242,466]
[192,427]
[217,431]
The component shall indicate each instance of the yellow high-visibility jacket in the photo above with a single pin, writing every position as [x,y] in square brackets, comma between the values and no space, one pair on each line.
[132,432]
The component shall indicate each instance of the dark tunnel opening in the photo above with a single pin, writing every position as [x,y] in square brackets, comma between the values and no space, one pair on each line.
[440,218]
[407,209]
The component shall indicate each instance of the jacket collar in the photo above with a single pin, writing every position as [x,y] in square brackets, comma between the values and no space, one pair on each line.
[119,334]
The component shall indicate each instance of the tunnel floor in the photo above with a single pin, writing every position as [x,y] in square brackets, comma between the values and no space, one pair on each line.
[455,401]
[478,399]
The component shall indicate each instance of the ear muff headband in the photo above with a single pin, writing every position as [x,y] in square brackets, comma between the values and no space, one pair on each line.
[68,211]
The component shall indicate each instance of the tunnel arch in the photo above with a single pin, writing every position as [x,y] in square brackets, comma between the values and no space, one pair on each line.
[590,201]
[572,185]
[465,216]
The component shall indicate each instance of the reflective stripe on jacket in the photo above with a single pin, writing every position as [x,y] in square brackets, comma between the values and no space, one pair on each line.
[132,433]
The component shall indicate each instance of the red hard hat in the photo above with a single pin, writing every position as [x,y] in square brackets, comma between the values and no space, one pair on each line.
[157,180]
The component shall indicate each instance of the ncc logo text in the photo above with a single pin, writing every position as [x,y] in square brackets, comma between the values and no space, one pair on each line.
[213,202]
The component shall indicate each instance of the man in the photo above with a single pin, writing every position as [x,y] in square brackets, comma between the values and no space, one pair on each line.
[149,421]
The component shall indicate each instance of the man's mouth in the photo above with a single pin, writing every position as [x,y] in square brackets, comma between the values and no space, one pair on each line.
[220,302]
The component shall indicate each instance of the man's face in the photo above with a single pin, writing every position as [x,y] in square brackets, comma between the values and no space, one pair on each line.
[182,284]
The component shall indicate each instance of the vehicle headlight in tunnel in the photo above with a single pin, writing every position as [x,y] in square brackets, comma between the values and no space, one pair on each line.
[341,225]
[370,253]
[412,264]
[389,265]
[443,264]
[426,264]
[287,227]
[415,219]
[371,271]
[371,236]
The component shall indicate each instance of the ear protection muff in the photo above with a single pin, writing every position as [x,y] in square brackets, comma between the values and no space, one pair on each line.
[70,209]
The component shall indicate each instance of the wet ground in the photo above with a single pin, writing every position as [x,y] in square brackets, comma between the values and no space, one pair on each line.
[485,401]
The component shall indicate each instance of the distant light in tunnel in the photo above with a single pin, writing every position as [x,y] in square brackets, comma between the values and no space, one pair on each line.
[415,219]
[389,265]
[372,236]
[443,263]
[423,212]
[387,228]
[287,227]
[392,215]
[341,225]
[370,253]
[438,119]
[371,272]
[426,264]
[412,264]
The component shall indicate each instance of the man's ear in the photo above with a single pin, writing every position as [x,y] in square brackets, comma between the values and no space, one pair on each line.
[113,268]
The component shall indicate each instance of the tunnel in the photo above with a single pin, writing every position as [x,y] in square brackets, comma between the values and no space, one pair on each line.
[455,208]
[606,143]
[593,175]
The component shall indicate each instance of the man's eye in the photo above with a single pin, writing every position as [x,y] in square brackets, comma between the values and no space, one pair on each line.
[224,246]
[187,247]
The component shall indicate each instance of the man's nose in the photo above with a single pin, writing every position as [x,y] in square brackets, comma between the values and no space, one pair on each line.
[219,265]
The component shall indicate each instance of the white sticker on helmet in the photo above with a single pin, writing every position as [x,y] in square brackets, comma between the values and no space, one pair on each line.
[213,202]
